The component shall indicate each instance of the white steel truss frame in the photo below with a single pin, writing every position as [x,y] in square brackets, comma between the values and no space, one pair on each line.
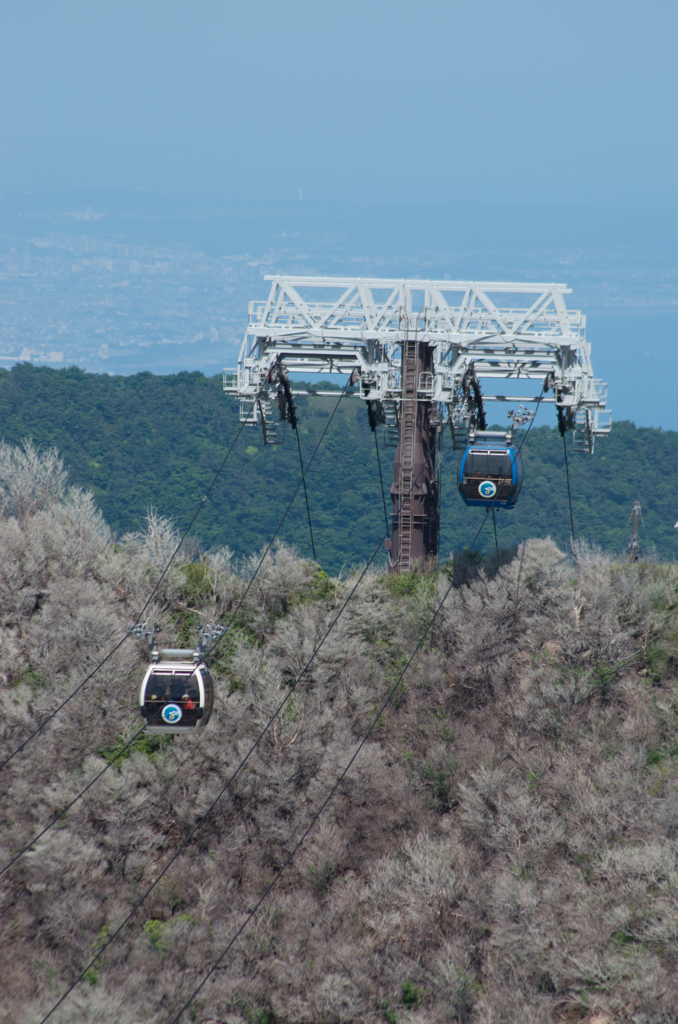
[499,330]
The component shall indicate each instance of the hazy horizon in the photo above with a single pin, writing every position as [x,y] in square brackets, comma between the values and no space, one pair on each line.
[159,159]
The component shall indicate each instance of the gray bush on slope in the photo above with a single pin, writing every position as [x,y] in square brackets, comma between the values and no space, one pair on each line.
[503,849]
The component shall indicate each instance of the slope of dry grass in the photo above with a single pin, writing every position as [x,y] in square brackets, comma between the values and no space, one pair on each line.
[504,849]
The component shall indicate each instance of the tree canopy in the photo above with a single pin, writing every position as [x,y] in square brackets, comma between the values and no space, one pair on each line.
[156,441]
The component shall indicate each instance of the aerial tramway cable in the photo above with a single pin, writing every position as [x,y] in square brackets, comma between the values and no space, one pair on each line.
[373,422]
[268,725]
[529,427]
[303,477]
[64,810]
[288,412]
[242,763]
[329,796]
[228,626]
[569,493]
[381,478]
[139,616]
[566,422]
[440,485]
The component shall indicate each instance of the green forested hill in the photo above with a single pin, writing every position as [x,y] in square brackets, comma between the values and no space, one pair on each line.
[157,440]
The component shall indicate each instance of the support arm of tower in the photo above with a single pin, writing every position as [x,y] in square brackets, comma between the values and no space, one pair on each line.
[425,354]
[497,330]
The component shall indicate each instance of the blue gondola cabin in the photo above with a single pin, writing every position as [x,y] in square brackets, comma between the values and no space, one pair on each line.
[490,475]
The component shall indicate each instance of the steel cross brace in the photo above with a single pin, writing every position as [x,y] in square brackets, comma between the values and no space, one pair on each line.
[496,330]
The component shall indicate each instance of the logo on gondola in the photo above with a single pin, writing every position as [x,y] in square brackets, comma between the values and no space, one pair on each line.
[171,714]
[487,489]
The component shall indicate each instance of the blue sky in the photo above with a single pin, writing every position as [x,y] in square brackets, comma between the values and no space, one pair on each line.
[492,100]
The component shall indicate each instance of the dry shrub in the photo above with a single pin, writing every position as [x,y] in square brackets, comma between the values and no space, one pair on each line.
[31,480]
[502,850]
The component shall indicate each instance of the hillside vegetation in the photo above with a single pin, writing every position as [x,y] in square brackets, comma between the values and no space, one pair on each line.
[503,850]
[145,440]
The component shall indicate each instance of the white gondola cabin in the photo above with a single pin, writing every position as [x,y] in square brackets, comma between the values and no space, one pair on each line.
[177,695]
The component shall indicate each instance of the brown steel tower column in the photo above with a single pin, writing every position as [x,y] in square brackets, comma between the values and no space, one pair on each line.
[415,504]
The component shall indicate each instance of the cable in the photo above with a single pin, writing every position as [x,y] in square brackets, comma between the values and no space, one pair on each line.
[440,486]
[139,616]
[569,494]
[381,478]
[269,723]
[374,422]
[209,652]
[520,572]
[273,718]
[303,477]
[278,372]
[63,703]
[524,439]
[522,549]
[327,799]
[520,448]
[491,507]
[529,425]
[64,810]
[82,793]
[256,743]
[480,530]
[279,526]
[566,422]
[75,799]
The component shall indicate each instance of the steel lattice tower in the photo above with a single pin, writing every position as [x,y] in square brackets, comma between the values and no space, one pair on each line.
[415,488]
[419,372]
